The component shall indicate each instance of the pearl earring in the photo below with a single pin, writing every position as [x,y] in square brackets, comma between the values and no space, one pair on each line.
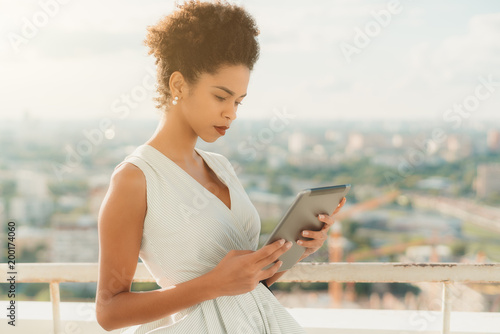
[174,102]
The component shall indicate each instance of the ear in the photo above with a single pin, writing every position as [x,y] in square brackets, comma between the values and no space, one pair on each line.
[177,83]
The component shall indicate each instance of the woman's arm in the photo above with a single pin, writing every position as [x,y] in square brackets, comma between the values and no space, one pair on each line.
[121,221]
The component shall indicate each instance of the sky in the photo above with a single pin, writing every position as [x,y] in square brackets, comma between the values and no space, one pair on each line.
[319,60]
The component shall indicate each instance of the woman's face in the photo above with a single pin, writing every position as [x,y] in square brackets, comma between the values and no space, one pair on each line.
[213,100]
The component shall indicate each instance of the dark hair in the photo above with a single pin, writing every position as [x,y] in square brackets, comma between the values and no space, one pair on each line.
[201,37]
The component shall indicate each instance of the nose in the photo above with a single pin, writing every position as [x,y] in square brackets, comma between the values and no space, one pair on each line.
[231,114]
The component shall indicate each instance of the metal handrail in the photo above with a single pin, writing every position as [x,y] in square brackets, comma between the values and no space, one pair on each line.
[446,273]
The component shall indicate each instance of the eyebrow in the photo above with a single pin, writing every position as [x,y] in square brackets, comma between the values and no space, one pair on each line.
[227,90]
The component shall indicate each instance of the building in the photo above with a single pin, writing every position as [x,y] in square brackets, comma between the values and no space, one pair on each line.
[488,180]
[493,141]
[355,143]
[269,206]
[457,147]
[32,203]
[74,238]
[296,142]
[34,239]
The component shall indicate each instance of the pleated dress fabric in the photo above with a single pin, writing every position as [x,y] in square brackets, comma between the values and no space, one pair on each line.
[187,231]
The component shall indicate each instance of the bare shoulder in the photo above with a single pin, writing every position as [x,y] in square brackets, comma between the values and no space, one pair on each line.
[128,175]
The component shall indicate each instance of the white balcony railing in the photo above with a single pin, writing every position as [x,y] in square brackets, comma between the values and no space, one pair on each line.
[446,273]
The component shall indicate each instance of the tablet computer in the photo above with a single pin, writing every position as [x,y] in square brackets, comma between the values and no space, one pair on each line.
[303,215]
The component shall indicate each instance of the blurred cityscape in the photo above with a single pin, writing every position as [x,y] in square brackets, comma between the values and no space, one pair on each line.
[421,192]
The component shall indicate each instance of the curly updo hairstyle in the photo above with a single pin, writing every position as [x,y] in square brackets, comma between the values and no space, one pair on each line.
[200,37]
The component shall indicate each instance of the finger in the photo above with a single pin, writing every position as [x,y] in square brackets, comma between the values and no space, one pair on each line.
[327,219]
[275,255]
[339,207]
[319,235]
[341,204]
[326,227]
[315,235]
[310,243]
[267,250]
[271,270]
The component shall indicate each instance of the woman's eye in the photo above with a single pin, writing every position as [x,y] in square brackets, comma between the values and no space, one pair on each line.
[224,99]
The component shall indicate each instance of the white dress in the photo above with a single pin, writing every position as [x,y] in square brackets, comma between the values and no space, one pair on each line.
[187,231]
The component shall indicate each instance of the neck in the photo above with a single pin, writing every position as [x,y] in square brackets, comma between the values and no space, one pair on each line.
[175,138]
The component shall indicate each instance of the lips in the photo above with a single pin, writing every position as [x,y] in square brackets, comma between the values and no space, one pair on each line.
[221,129]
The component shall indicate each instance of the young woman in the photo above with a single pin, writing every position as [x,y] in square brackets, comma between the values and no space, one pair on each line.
[181,209]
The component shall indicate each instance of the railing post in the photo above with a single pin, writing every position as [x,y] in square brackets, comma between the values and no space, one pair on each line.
[446,302]
[55,298]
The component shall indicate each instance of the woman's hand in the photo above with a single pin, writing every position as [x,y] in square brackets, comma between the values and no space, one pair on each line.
[318,236]
[240,271]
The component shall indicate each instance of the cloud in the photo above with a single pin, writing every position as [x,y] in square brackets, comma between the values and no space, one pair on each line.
[81,44]
[418,64]
[76,29]
[309,26]
[461,58]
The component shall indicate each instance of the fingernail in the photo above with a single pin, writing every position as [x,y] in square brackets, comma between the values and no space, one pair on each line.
[299,242]
[288,244]
[282,241]
[322,216]
[305,233]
